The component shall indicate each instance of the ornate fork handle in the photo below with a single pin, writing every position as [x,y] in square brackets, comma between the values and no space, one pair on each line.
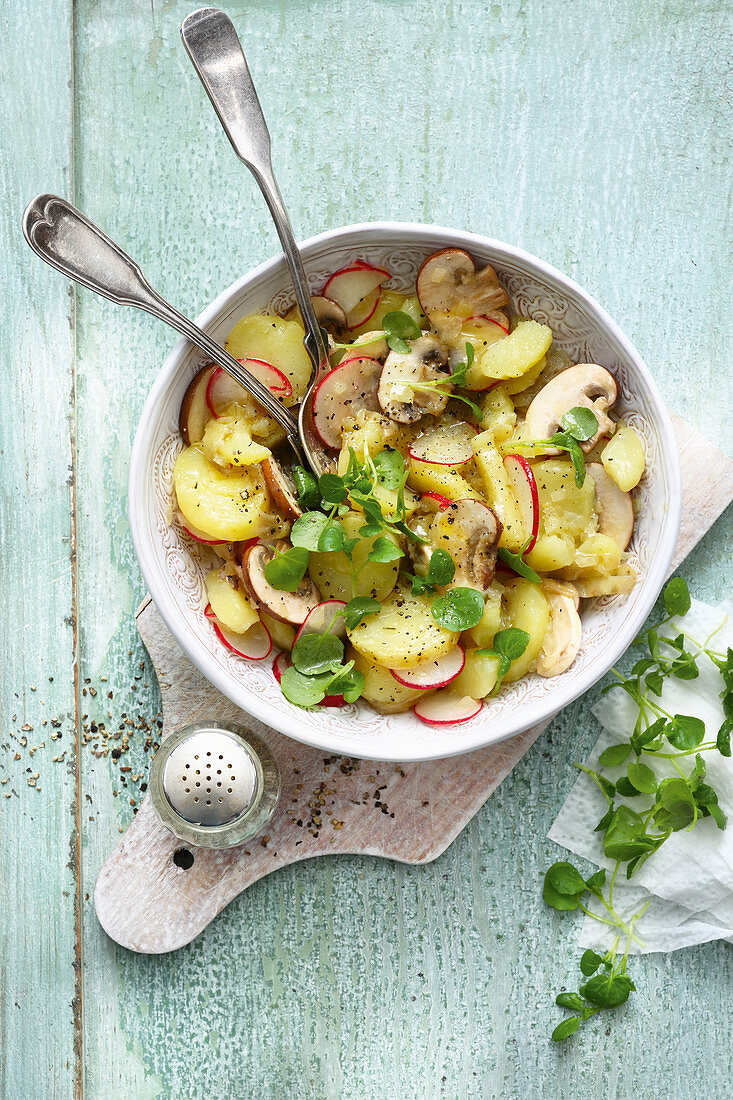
[68,241]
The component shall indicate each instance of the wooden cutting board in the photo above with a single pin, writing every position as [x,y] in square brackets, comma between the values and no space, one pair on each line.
[329,804]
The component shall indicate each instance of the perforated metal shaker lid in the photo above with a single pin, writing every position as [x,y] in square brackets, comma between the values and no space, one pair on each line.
[214,784]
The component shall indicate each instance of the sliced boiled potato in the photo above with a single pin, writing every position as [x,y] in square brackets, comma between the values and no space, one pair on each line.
[527,608]
[565,509]
[277,342]
[623,458]
[429,477]
[498,491]
[411,306]
[404,633]
[228,442]
[230,505]
[478,676]
[599,553]
[229,604]
[282,634]
[482,635]
[511,357]
[499,416]
[331,573]
[551,552]
[518,385]
[381,689]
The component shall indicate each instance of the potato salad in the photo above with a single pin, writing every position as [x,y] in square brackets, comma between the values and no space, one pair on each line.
[480,489]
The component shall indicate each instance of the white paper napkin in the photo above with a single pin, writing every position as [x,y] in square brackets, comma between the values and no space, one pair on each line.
[689,881]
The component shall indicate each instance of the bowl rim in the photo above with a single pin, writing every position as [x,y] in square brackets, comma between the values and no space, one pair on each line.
[620,639]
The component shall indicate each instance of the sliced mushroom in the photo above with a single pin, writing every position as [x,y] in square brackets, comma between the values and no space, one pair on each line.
[469,531]
[287,607]
[451,290]
[587,385]
[195,411]
[615,507]
[398,393]
[563,638]
[281,488]
[329,315]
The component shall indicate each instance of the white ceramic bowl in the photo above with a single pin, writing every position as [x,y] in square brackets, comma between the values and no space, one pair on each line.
[176,581]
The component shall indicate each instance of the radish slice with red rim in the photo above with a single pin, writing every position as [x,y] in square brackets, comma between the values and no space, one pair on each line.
[437,498]
[365,309]
[350,386]
[223,390]
[433,674]
[255,644]
[446,446]
[281,662]
[326,618]
[208,612]
[447,708]
[353,283]
[524,486]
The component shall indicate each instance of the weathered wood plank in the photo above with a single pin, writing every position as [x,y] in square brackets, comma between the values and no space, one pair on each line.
[588,134]
[40,1010]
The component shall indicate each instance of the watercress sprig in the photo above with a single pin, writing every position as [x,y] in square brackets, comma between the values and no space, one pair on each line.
[518,564]
[508,646]
[631,834]
[441,570]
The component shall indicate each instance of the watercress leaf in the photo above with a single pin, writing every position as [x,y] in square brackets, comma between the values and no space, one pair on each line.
[705,795]
[459,609]
[349,546]
[390,468]
[441,568]
[676,805]
[519,565]
[625,787]
[315,653]
[332,537]
[723,739]
[306,488]
[717,815]
[307,529]
[642,777]
[358,609]
[286,570]
[384,550]
[569,1000]
[332,488]
[614,755]
[685,732]
[652,733]
[396,343]
[677,597]
[686,669]
[303,691]
[607,990]
[700,767]
[565,879]
[348,682]
[589,963]
[566,1029]
[369,530]
[597,881]
[401,325]
[642,666]
[625,836]
[578,460]
[563,902]
[579,423]
[511,642]
[655,682]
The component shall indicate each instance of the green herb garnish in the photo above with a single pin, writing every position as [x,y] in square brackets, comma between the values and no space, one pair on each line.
[441,570]
[459,609]
[579,425]
[661,807]
[508,646]
[518,564]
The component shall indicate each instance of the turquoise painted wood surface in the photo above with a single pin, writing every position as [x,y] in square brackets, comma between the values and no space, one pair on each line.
[594,135]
